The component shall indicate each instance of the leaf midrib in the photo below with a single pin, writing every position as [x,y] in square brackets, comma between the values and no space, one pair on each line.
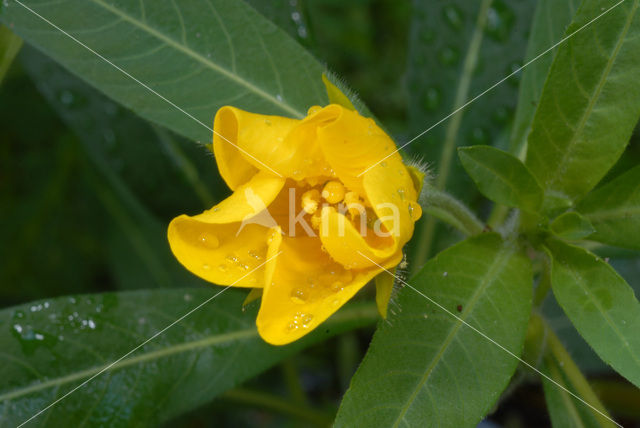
[198,57]
[622,213]
[492,272]
[159,353]
[596,95]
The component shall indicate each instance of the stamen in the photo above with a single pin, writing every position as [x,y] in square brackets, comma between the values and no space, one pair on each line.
[333,192]
[310,200]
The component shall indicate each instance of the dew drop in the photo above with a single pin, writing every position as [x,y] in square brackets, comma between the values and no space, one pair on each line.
[449,55]
[209,240]
[279,97]
[428,36]
[198,35]
[222,267]
[206,266]
[254,255]
[431,100]
[500,20]
[479,136]
[401,193]
[383,164]
[187,297]
[445,273]
[453,16]
[267,122]
[298,296]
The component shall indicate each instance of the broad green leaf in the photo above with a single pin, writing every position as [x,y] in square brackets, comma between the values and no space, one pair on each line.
[197,55]
[571,225]
[425,367]
[550,20]
[49,347]
[590,102]
[10,45]
[565,410]
[501,177]
[600,304]
[614,210]
[139,254]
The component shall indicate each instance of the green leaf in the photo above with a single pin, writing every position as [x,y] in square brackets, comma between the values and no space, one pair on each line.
[49,347]
[425,364]
[590,102]
[565,410]
[10,45]
[198,58]
[472,45]
[550,20]
[614,210]
[600,304]
[501,177]
[571,225]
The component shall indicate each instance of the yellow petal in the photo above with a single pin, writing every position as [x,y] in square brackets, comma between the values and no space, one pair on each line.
[253,295]
[349,246]
[246,142]
[352,143]
[306,287]
[336,96]
[392,195]
[384,287]
[222,245]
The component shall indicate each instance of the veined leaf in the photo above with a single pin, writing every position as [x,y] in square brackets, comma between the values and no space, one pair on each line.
[49,347]
[501,177]
[614,210]
[425,367]
[549,23]
[590,102]
[571,225]
[198,54]
[600,304]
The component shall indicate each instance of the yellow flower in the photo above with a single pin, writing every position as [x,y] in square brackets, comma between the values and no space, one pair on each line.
[301,203]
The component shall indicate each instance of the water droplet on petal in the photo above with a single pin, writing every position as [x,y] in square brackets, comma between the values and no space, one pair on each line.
[222,267]
[209,240]
[298,296]
[206,266]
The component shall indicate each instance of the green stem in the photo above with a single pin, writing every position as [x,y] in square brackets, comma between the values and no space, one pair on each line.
[290,373]
[441,205]
[427,231]
[278,404]
[575,376]
[10,45]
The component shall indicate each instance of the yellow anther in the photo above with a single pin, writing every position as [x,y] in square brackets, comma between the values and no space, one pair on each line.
[315,220]
[333,192]
[310,200]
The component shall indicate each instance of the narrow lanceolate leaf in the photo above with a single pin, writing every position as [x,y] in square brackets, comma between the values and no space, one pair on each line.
[571,225]
[501,177]
[549,24]
[199,55]
[565,410]
[425,366]
[49,347]
[600,304]
[590,102]
[614,210]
